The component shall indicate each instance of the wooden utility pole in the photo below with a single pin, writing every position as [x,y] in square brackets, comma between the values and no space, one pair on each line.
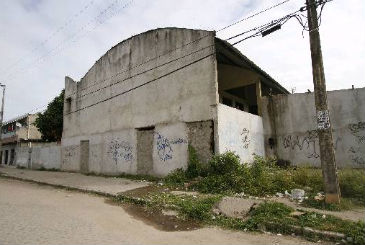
[328,161]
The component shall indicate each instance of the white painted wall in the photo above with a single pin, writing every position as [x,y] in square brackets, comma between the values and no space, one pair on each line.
[240,132]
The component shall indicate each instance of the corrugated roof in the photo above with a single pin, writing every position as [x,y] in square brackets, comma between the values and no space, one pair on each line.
[16,119]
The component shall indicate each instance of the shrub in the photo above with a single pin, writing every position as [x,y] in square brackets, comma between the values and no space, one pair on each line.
[225,163]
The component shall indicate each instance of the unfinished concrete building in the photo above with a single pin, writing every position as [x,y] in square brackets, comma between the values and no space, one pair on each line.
[15,133]
[142,103]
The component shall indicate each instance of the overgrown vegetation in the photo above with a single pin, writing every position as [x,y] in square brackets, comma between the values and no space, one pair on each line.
[269,216]
[225,174]
[277,217]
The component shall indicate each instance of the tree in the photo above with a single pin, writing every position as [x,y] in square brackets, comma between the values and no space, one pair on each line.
[50,122]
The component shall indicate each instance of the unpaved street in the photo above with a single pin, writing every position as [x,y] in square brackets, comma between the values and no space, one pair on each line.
[34,214]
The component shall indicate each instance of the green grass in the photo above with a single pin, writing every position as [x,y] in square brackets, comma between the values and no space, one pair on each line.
[189,207]
[225,174]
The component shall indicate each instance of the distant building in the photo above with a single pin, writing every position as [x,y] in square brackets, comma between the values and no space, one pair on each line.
[17,132]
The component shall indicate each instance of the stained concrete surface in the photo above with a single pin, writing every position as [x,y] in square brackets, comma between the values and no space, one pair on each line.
[45,215]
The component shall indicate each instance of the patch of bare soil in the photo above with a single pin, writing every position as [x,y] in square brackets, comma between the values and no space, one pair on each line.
[157,218]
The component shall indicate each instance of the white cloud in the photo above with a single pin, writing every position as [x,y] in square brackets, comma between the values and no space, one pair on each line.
[284,54]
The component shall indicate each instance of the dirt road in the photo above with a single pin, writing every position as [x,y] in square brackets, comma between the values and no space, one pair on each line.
[34,214]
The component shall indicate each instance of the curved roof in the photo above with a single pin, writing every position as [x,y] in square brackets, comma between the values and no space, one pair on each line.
[240,59]
[140,35]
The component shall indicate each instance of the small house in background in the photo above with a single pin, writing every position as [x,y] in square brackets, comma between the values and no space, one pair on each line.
[15,133]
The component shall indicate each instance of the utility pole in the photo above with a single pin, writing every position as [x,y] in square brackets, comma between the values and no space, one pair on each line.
[328,161]
[1,122]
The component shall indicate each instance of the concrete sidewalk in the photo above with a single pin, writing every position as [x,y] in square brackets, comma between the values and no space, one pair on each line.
[107,186]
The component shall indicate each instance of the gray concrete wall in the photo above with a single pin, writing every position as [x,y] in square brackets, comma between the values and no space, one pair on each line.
[292,119]
[129,88]
[41,155]
[240,132]
[201,138]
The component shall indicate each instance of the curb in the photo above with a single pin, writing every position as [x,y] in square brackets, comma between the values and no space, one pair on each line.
[307,232]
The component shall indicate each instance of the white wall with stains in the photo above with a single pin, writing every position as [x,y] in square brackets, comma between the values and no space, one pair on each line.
[291,120]
[40,155]
[240,132]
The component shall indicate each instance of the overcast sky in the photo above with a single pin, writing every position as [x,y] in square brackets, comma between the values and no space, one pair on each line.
[42,41]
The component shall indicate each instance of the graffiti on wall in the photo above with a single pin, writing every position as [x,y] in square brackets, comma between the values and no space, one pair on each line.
[164,146]
[306,142]
[119,150]
[69,153]
[245,138]
[309,143]
[355,153]
[358,130]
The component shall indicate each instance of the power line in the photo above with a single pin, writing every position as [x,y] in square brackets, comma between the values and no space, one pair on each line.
[253,15]
[144,63]
[45,41]
[246,18]
[274,25]
[74,36]
[143,72]
[111,5]
[143,84]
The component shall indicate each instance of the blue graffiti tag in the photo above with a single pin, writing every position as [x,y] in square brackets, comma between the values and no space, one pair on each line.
[119,149]
[164,149]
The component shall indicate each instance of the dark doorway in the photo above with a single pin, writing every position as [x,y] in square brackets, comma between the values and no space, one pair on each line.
[12,156]
[145,150]
[6,156]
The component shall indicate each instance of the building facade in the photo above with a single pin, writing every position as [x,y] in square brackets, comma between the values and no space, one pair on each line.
[15,133]
[149,97]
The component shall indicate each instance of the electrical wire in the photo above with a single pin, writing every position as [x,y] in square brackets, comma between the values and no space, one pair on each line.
[71,38]
[50,37]
[143,72]
[246,18]
[143,63]
[253,15]
[141,85]
[281,21]
[260,28]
